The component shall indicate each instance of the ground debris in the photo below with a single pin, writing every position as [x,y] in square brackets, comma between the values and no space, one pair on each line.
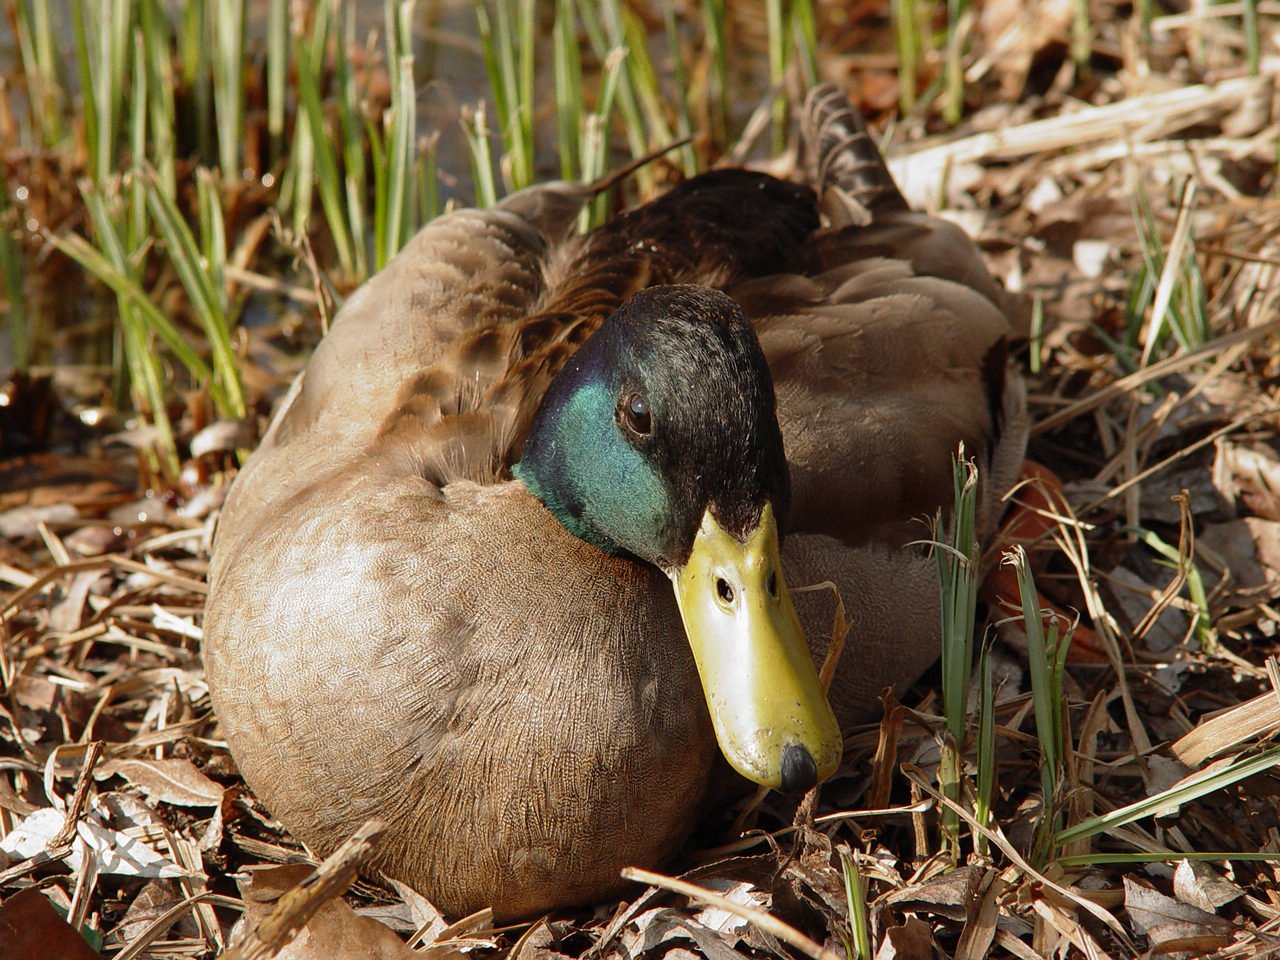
[1076,177]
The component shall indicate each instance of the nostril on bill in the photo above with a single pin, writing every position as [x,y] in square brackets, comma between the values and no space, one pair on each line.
[799,772]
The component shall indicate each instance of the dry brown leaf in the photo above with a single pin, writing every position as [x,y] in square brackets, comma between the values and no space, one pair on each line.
[540,944]
[1197,883]
[1131,599]
[49,478]
[980,929]
[655,929]
[911,941]
[1233,544]
[115,851]
[155,899]
[176,780]
[1164,920]
[947,895]
[428,922]
[30,929]
[1018,31]
[1230,729]
[334,932]
[722,921]
[1249,474]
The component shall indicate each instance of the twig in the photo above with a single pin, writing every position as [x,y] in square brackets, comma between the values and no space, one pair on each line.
[758,918]
[1154,372]
[64,837]
[292,911]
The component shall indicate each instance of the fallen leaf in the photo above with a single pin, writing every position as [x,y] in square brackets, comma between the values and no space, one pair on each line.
[1233,545]
[30,929]
[224,436]
[155,899]
[737,891]
[49,478]
[540,944]
[658,927]
[1197,883]
[1162,919]
[422,911]
[911,941]
[334,932]
[32,834]
[1250,474]
[947,895]
[23,522]
[116,851]
[120,853]
[174,780]
[1131,599]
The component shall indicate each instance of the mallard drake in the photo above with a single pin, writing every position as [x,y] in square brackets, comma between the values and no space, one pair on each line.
[442,587]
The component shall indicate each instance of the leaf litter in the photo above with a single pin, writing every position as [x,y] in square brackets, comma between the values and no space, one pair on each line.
[1065,175]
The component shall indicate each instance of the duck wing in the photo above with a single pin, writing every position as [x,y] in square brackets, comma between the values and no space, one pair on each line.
[890,352]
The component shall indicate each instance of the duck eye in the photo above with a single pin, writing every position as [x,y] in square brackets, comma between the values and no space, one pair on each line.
[635,410]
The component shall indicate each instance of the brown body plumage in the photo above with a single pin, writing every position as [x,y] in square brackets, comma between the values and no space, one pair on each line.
[396,628]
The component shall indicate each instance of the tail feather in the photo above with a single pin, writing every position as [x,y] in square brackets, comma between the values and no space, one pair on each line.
[842,161]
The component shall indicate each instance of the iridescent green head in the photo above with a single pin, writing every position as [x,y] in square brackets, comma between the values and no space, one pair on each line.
[660,439]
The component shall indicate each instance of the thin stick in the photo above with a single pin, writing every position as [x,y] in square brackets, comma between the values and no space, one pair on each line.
[297,906]
[758,918]
[1154,372]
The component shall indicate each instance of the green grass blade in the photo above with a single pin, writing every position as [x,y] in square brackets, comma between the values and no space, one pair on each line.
[352,135]
[85,69]
[138,144]
[477,133]
[13,271]
[228,83]
[806,38]
[196,47]
[277,73]
[956,558]
[684,126]
[508,56]
[1098,859]
[855,893]
[986,777]
[329,181]
[213,238]
[567,76]
[953,69]
[1192,788]
[595,137]
[1081,34]
[1252,38]
[906,36]
[40,67]
[202,281]
[1202,624]
[713,25]
[636,84]
[400,200]
[1046,660]
[428,181]
[779,44]
[160,80]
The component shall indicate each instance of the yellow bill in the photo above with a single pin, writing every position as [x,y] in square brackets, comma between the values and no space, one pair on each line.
[770,714]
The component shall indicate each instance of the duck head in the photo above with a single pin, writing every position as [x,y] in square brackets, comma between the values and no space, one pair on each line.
[659,439]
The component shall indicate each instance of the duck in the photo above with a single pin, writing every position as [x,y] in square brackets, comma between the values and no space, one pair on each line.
[524,563]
